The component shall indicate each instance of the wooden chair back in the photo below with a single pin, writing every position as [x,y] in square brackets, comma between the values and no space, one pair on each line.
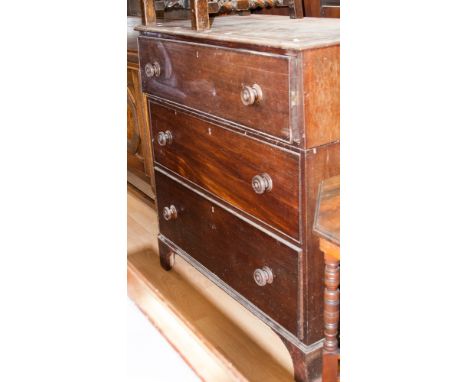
[201,10]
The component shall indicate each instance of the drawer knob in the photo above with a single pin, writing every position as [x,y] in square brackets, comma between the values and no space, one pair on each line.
[153,70]
[251,94]
[263,276]
[170,213]
[164,138]
[262,183]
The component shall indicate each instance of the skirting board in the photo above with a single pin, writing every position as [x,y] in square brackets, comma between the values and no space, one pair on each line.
[209,341]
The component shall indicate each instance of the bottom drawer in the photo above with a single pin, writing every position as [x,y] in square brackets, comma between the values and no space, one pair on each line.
[232,249]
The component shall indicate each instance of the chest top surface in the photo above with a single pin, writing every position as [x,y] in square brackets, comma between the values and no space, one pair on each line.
[264,30]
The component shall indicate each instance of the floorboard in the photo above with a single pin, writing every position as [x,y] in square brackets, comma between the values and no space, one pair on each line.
[217,336]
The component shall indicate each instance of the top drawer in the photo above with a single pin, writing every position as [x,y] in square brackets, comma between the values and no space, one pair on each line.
[220,81]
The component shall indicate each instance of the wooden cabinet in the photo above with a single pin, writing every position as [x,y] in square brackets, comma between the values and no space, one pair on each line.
[245,124]
[139,156]
[322,8]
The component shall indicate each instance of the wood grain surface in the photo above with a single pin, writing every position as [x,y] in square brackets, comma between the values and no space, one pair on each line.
[264,30]
[232,250]
[224,162]
[211,79]
[199,13]
[218,143]
[321,71]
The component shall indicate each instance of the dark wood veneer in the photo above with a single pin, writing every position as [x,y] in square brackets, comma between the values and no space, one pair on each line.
[214,85]
[224,163]
[221,226]
[232,249]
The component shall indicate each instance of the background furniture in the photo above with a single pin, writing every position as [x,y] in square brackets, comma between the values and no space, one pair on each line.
[139,157]
[298,8]
[202,11]
[245,124]
[322,8]
[327,226]
[134,8]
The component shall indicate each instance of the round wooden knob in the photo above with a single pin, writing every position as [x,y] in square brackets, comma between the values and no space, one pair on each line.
[164,138]
[170,213]
[251,94]
[263,276]
[153,70]
[262,183]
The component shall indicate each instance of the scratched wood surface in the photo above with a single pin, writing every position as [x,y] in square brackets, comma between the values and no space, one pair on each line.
[321,71]
[268,30]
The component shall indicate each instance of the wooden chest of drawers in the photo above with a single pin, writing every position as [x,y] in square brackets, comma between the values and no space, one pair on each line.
[245,124]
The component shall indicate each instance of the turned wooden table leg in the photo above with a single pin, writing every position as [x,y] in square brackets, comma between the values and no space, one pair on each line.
[331,318]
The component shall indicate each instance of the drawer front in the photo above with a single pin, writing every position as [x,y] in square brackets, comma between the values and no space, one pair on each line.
[231,249]
[211,79]
[225,163]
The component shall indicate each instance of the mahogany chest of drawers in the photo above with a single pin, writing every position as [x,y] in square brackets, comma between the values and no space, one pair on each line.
[245,124]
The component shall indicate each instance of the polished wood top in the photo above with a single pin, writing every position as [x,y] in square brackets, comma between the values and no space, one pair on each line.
[327,214]
[266,30]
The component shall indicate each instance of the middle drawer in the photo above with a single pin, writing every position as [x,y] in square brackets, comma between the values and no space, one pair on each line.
[255,177]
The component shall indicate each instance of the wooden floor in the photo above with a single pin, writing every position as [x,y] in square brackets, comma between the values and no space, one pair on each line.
[217,337]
